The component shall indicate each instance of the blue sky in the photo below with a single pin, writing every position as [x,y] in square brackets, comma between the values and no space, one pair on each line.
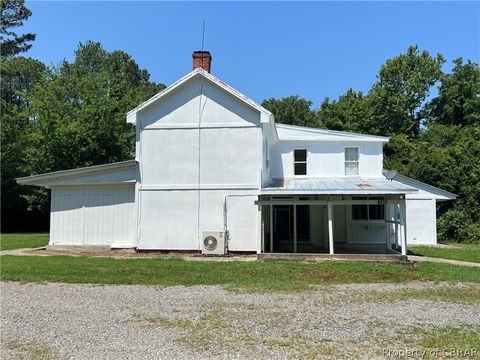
[264,49]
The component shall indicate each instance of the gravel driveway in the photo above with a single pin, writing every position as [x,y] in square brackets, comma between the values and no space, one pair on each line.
[145,322]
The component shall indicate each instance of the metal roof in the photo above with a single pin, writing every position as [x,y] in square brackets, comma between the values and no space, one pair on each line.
[344,185]
[41,179]
[293,132]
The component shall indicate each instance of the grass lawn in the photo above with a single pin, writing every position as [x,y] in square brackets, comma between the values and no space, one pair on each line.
[23,240]
[252,276]
[465,252]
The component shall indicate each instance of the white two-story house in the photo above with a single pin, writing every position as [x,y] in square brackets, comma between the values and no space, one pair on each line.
[209,159]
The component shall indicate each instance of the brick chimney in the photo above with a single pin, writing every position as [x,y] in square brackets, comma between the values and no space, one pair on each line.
[202,59]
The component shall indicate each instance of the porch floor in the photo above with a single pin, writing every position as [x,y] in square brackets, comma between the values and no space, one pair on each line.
[390,258]
[339,248]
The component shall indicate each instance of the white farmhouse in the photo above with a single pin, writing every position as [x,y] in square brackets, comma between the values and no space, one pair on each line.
[211,165]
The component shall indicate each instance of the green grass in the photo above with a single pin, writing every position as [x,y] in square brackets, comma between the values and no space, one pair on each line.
[23,240]
[464,252]
[31,349]
[461,294]
[252,276]
[443,342]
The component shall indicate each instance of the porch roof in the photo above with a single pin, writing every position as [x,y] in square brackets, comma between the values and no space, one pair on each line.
[336,186]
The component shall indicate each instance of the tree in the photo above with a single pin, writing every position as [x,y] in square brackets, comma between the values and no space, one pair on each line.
[19,76]
[398,153]
[398,98]
[78,113]
[458,100]
[292,110]
[13,14]
[347,113]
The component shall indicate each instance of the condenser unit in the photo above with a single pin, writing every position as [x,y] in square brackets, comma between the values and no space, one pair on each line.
[213,243]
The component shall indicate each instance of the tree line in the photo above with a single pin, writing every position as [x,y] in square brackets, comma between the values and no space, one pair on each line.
[73,115]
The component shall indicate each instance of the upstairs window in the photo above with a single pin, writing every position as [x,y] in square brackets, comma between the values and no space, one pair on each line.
[351,161]
[300,161]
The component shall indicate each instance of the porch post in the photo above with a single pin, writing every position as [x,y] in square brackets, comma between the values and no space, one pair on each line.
[262,228]
[395,218]
[330,227]
[386,216]
[403,228]
[294,228]
[271,228]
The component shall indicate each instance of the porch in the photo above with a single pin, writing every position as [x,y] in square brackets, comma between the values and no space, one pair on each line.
[340,225]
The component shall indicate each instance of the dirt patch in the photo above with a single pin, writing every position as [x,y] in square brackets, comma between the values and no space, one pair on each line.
[132,254]
[21,348]
[323,275]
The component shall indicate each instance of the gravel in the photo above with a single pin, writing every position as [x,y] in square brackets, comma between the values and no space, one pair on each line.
[70,321]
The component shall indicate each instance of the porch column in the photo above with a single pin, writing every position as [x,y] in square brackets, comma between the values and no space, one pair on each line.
[386,216]
[330,227]
[403,227]
[396,219]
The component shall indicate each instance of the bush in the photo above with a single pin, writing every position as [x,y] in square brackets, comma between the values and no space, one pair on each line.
[456,226]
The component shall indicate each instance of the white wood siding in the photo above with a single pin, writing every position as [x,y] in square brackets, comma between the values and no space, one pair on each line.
[93,216]
[326,158]
[421,222]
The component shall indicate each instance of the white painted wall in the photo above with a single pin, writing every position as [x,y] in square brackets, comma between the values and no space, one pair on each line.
[93,216]
[199,129]
[421,222]
[327,158]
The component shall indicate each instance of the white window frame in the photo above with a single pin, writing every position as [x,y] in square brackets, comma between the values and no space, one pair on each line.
[350,161]
[300,162]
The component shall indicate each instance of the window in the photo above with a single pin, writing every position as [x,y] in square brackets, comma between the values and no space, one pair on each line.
[300,162]
[367,212]
[359,212]
[375,212]
[351,161]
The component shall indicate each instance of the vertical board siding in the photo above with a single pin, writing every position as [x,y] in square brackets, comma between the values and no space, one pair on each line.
[421,221]
[242,217]
[93,216]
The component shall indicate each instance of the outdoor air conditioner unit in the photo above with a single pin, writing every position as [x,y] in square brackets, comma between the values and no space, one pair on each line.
[213,243]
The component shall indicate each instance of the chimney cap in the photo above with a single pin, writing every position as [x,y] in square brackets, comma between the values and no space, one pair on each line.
[201,53]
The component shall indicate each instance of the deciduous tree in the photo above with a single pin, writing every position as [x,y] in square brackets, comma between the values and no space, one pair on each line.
[458,100]
[292,110]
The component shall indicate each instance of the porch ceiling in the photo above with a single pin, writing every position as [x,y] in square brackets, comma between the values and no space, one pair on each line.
[337,186]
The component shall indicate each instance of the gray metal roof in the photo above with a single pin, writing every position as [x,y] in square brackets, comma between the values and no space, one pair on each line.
[345,185]
[46,178]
